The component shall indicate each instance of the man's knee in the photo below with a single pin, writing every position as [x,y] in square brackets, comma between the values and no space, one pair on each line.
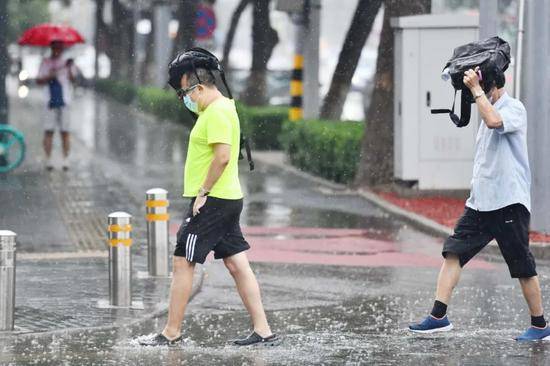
[232,267]
[236,268]
[527,280]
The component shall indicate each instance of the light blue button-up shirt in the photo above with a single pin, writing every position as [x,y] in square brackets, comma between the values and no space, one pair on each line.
[501,166]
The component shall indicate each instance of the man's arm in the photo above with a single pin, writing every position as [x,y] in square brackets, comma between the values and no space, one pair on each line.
[488,113]
[222,154]
[72,70]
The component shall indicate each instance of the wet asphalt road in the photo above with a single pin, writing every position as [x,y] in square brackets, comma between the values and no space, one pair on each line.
[325,314]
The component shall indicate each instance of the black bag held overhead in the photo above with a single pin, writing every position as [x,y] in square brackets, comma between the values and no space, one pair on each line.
[492,55]
[195,58]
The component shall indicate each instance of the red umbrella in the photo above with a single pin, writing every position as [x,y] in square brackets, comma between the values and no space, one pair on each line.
[43,35]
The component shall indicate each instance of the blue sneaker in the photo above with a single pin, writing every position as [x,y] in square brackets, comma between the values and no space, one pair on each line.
[535,334]
[432,325]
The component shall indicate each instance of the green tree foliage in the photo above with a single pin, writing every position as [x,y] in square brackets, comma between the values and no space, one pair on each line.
[24,14]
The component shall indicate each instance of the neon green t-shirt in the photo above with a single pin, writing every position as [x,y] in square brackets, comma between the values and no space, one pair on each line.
[218,123]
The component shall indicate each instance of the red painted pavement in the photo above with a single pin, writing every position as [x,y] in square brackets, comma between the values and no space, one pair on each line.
[345,247]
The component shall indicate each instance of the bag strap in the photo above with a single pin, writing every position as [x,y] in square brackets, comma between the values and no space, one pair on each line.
[465,110]
[244,141]
[441,111]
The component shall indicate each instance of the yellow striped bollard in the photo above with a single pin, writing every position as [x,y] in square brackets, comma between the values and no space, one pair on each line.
[296,89]
[120,259]
[156,207]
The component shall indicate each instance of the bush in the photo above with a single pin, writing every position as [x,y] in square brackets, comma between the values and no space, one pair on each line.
[263,125]
[329,149]
[122,91]
[164,104]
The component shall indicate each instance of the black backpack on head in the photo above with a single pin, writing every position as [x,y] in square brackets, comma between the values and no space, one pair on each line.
[492,56]
[193,59]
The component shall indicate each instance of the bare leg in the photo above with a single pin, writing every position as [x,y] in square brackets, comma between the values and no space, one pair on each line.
[531,291]
[180,291]
[248,288]
[65,139]
[47,143]
[449,275]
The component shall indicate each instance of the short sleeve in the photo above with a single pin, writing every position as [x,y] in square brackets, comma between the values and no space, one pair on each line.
[514,118]
[218,128]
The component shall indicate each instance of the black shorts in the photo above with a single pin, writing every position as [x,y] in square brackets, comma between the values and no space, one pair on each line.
[216,228]
[508,225]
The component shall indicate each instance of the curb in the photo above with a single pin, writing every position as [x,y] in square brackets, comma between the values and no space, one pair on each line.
[277,159]
[132,326]
[419,221]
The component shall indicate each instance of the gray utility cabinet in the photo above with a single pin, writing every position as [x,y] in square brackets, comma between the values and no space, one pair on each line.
[429,148]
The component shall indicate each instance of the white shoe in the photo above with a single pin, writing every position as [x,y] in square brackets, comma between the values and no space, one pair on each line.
[65,164]
[49,165]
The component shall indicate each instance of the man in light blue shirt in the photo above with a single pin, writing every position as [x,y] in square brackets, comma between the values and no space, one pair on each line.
[498,207]
[501,166]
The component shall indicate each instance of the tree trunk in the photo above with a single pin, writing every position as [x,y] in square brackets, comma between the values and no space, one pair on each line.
[186,15]
[99,34]
[376,165]
[146,71]
[264,39]
[119,49]
[116,39]
[228,44]
[356,37]
[4,60]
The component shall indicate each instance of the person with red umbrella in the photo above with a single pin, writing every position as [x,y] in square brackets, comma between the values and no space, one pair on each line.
[58,74]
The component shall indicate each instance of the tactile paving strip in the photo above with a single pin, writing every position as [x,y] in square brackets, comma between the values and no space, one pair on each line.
[75,200]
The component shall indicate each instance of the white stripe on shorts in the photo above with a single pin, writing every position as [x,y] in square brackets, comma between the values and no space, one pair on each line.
[187,247]
[193,246]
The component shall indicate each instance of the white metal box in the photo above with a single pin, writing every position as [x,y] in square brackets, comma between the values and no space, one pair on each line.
[428,148]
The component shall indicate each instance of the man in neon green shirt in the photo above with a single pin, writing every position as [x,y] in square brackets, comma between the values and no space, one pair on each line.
[212,182]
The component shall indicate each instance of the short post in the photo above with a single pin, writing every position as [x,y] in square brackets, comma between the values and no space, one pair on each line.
[7,280]
[157,231]
[120,259]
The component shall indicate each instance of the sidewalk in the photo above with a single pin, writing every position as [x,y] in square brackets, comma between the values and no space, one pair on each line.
[435,215]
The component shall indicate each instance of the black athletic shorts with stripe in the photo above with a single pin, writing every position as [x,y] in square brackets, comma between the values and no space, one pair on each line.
[217,227]
[508,225]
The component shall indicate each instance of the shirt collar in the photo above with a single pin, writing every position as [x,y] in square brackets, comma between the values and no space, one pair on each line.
[504,97]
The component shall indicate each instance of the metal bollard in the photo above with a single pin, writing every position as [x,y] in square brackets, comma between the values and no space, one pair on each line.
[7,279]
[157,231]
[120,259]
